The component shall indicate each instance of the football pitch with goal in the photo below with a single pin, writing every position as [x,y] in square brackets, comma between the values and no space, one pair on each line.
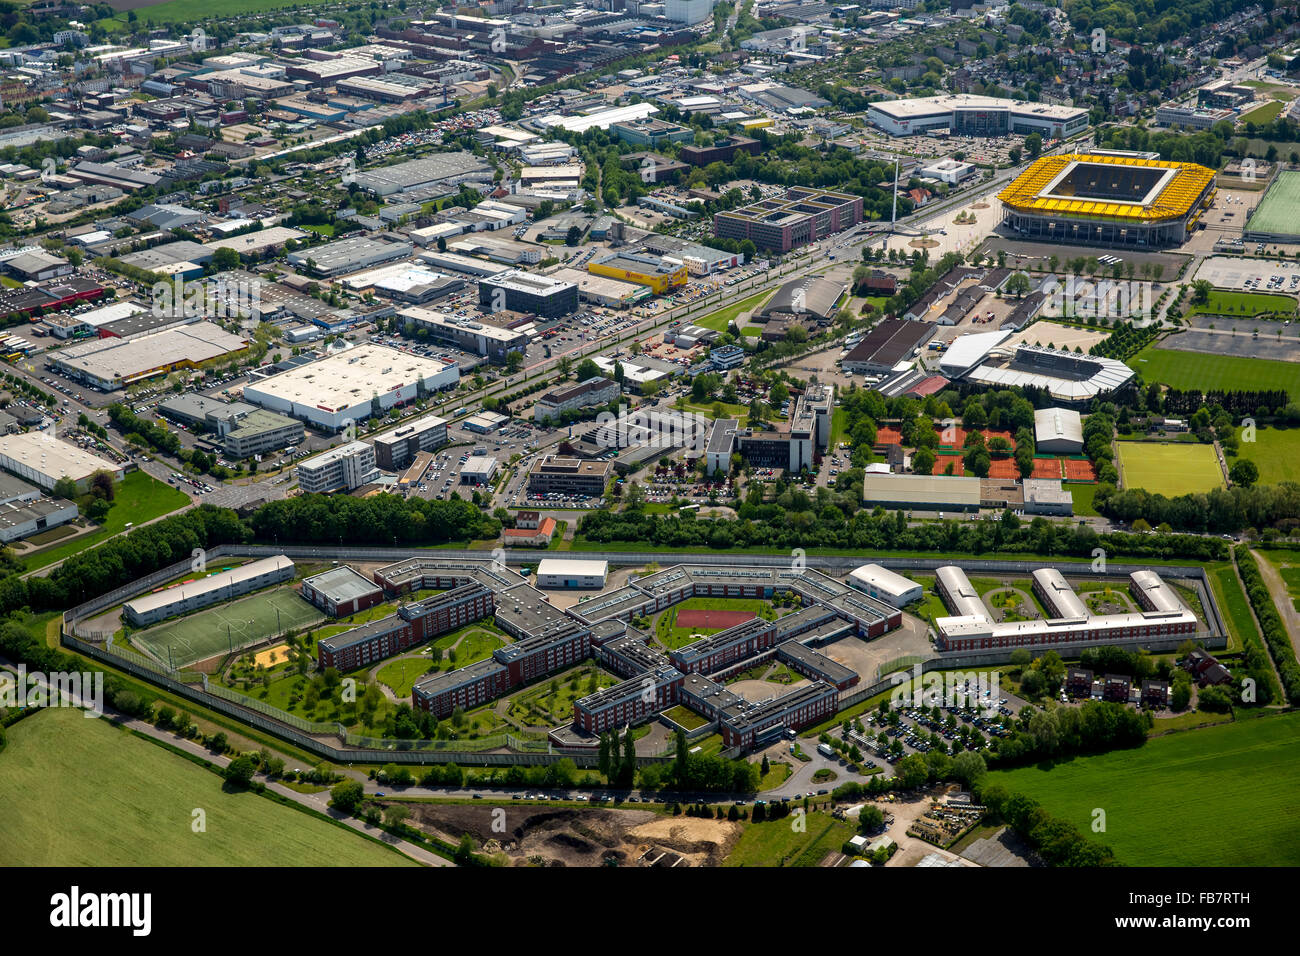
[217,630]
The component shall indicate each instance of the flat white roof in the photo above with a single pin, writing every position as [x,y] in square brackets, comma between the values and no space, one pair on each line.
[568,567]
[53,457]
[600,120]
[160,599]
[113,359]
[346,379]
[920,106]
[883,579]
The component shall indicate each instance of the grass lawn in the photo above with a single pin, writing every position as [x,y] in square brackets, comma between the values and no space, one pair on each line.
[139,497]
[1264,114]
[78,792]
[728,409]
[777,843]
[1233,785]
[176,11]
[685,717]
[551,701]
[401,674]
[1242,629]
[1212,371]
[777,774]
[755,330]
[723,317]
[1234,304]
[324,229]
[1276,452]
[1169,469]
[1083,496]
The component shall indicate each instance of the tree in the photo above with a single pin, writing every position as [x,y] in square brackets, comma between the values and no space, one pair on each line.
[968,767]
[239,772]
[224,259]
[514,362]
[1244,473]
[65,487]
[1034,144]
[347,795]
[587,369]
[1018,284]
[573,236]
[923,461]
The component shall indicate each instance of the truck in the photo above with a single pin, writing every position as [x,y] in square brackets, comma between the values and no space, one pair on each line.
[827,751]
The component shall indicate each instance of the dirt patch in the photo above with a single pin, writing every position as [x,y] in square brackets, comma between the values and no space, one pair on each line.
[272,656]
[923,243]
[540,836]
[979,205]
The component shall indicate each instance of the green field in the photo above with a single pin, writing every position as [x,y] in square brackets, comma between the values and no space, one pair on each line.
[777,843]
[181,11]
[228,627]
[1212,371]
[685,717]
[718,321]
[1276,452]
[1169,469]
[1276,211]
[1083,495]
[401,674]
[1233,304]
[78,792]
[139,497]
[1264,114]
[1221,796]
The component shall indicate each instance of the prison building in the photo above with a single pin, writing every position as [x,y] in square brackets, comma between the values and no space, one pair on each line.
[707,697]
[341,591]
[815,665]
[756,724]
[871,617]
[713,653]
[189,596]
[365,644]
[449,610]
[631,702]
[1057,595]
[807,620]
[885,585]
[958,594]
[630,656]
[562,644]
[412,625]
[466,688]
[1153,593]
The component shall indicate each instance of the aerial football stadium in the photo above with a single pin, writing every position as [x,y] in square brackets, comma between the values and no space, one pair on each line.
[1107,200]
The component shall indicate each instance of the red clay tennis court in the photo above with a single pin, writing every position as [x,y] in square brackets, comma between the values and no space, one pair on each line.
[712,619]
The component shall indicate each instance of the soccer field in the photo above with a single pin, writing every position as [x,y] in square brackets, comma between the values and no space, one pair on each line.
[1276,211]
[1213,372]
[226,627]
[1175,468]
[1220,796]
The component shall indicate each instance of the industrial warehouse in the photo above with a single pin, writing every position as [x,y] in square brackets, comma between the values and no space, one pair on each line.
[351,385]
[1110,200]
[114,363]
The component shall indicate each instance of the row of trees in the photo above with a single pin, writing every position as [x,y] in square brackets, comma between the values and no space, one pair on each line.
[769,526]
[1275,633]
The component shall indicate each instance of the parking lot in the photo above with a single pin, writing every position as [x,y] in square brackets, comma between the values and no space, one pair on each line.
[1250,275]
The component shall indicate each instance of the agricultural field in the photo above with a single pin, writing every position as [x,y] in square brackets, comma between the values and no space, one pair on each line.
[1213,372]
[78,792]
[776,843]
[1276,452]
[227,627]
[1170,469]
[1229,789]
